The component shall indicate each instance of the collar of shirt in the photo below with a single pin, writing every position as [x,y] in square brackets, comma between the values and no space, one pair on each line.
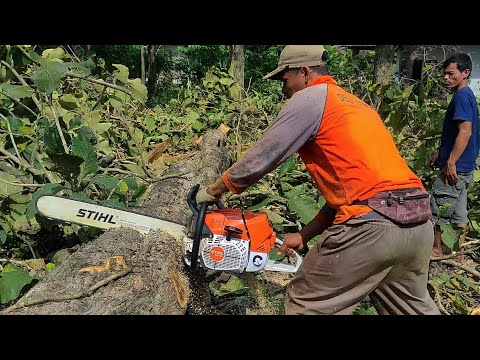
[323,79]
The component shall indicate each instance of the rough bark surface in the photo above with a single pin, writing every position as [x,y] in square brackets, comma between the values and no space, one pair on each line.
[128,272]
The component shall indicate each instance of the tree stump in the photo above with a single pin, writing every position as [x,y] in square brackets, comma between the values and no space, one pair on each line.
[125,272]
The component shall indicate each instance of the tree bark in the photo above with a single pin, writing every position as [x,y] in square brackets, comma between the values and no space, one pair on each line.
[237,60]
[142,63]
[124,272]
[383,74]
[407,58]
[152,70]
[384,57]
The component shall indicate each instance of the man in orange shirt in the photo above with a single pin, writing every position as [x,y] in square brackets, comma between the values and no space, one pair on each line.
[376,237]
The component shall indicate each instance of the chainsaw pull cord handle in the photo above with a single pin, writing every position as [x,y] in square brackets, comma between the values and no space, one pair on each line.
[197,235]
[192,202]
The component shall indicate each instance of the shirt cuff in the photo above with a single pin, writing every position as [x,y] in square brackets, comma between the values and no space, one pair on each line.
[231,185]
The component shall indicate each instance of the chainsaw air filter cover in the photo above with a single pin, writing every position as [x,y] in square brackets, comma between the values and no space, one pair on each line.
[217,253]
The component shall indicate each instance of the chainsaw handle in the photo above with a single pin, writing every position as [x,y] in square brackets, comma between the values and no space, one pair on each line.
[192,202]
[197,236]
[273,265]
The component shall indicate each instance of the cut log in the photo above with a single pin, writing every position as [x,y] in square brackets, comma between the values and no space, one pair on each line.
[124,272]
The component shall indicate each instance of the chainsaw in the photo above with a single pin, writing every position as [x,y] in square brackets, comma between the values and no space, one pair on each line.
[219,239]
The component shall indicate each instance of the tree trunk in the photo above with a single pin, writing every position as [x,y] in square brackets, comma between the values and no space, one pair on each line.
[142,63]
[406,60]
[383,75]
[384,58]
[124,272]
[152,70]
[237,60]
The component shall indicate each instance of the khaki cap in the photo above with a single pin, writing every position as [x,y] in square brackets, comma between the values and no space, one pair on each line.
[296,56]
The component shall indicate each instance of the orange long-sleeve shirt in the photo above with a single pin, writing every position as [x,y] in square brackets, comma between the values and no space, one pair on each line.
[344,144]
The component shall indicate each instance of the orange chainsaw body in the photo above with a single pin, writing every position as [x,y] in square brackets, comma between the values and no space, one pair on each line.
[262,236]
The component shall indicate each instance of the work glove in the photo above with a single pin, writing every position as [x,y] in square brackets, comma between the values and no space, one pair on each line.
[203,196]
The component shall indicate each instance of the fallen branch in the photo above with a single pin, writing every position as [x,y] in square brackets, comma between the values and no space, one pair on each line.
[20,184]
[470,243]
[438,299]
[100,82]
[451,256]
[68,296]
[17,262]
[463,267]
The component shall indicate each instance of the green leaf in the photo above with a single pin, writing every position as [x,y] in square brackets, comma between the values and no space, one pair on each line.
[104,147]
[56,53]
[102,127]
[288,166]
[49,267]
[3,237]
[16,92]
[131,182]
[135,168]
[18,208]
[121,73]
[476,175]
[68,102]
[66,164]
[297,191]
[93,118]
[197,126]
[83,148]
[150,123]
[450,236]
[234,92]
[7,190]
[116,102]
[261,204]
[21,199]
[274,217]
[305,207]
[234,286]
[274,255]
[136,134]
[83,66]
[139,91]
[12,281]
[49,77]
[105,181]
[52,141]
[115,203]
[47,189]
[439,280]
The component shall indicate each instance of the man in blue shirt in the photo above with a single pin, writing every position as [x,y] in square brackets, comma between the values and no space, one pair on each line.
[458,151]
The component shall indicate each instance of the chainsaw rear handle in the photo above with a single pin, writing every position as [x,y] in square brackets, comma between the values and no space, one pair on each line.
[192,202]
[273,265]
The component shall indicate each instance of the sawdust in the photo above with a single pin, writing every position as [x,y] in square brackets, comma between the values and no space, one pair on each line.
[268,288]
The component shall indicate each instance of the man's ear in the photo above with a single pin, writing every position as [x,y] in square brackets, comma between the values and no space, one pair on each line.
[467,73]
[305,70]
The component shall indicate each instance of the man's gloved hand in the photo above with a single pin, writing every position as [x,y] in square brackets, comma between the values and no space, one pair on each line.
[203,196]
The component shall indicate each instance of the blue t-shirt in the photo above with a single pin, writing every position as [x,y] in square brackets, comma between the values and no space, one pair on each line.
[463,106]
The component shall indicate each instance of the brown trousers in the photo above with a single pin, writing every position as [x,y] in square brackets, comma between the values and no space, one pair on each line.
[365,257]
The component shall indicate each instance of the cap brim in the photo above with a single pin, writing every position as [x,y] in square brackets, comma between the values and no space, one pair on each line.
[274,75]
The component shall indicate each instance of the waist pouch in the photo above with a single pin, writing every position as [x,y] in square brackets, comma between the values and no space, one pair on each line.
[405,206]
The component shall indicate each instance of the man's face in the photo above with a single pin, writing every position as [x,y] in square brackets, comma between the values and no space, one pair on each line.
[453,77]
[293,80]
